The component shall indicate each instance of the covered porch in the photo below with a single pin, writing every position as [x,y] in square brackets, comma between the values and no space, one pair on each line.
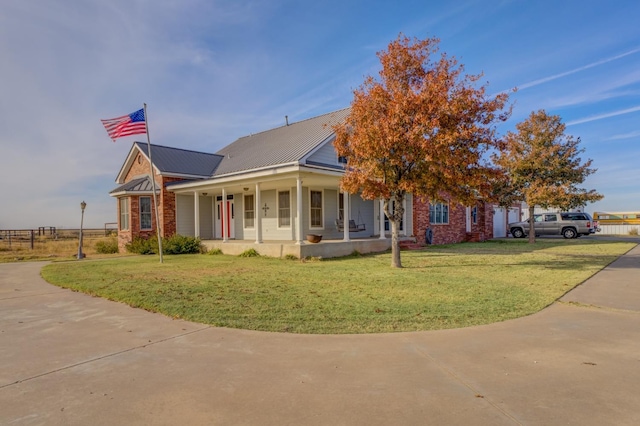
[273,212]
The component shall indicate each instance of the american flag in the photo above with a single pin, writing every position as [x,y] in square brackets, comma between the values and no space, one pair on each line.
[130,124]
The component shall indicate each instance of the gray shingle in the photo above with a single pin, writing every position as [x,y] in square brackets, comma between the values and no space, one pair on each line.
[282,145]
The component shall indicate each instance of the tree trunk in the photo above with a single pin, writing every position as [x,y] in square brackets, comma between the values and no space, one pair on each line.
[395,217]
[532,229]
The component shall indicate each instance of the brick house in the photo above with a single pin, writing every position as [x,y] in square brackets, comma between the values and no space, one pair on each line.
[277,185]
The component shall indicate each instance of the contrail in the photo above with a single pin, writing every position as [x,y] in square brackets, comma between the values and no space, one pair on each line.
[573,71]
[601,116]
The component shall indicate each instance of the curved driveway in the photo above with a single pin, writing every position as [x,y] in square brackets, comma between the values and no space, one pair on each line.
[71,359]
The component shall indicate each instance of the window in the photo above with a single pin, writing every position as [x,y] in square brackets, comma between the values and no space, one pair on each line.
[340,206]
[316,209]
[124,214]
[342,160]
[439,213]
[474,214]
[145,213]
[284,209]
[550,218]
[249,211]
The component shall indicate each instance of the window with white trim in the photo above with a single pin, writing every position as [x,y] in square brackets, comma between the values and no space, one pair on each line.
[315,205]
[340,206]
[249,211]
[284,209]
[124,214]
[474,214]
[145,213]
[439,213]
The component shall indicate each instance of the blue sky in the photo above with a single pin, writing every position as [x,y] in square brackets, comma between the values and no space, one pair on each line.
[211,71]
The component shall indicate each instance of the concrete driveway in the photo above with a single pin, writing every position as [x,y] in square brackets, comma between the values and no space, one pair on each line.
[71,359]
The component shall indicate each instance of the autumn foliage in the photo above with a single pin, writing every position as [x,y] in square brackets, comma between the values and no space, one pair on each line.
[423,127]
[543,166]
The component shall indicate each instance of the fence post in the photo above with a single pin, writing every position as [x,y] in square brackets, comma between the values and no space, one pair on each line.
[32,237]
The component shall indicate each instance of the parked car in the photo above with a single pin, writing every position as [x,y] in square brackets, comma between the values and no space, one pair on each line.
[567,224]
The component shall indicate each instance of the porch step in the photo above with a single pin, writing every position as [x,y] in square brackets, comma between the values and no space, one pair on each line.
[410,245]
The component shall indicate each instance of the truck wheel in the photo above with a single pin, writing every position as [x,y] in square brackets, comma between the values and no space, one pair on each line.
[517,233]
[569,233]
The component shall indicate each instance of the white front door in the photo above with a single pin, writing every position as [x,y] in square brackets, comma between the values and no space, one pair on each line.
[225,228]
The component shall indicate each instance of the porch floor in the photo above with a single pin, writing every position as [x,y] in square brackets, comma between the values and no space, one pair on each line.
[324,249]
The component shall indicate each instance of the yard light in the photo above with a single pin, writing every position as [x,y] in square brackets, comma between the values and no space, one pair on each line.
[83,205]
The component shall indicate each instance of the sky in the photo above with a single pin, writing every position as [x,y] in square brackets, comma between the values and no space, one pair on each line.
[211,71]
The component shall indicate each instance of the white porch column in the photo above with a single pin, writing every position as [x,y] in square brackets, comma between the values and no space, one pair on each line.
[381,224]
[225,217]
[347,216]
[258,219]
[196,218]
[299,211]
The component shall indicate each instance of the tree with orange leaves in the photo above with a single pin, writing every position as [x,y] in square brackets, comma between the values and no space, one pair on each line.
[543,167]
[422,128]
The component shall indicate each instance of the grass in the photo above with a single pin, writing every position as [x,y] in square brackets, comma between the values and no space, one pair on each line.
[441,287]
[45,248]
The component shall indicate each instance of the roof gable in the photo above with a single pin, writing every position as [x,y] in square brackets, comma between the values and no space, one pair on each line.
[282,145]
[181,161]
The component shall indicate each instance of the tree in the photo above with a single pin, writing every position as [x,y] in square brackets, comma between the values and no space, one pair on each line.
[543,166]
[421,128]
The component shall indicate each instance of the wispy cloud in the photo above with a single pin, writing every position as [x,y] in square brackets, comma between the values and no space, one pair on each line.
[603,116]
[576,70]
[629,135]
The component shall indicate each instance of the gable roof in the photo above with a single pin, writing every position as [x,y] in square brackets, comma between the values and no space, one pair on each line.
[282,145]
[181,161]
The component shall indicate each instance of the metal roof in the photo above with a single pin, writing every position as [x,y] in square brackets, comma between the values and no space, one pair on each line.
[181,161]
[282,145]
[142,184]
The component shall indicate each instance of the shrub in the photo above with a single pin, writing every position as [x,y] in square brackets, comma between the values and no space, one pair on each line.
[291,257]
[141,245]
[214,252]
[175,244]
[249,253]
[180,244]
[633,231]
[109,246]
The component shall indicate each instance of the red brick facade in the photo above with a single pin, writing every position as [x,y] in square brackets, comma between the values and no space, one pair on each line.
[166,206]
[455,231]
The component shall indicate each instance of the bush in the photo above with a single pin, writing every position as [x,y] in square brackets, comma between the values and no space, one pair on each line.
[633,231]
[214,252]
[107,247]
[291,257]
[175,244]
[141,245]
[249,253]
[179,244]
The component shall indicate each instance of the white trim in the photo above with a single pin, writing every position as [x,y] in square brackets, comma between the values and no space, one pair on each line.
[318,147]
[278,210]
[244,210]
[321,191]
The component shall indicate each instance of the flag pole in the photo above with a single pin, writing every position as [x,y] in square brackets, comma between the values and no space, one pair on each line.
[153,184]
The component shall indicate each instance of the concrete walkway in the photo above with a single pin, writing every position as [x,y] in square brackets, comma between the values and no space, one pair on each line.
[70,359]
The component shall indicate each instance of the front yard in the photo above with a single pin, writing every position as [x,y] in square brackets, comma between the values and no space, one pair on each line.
[440,287]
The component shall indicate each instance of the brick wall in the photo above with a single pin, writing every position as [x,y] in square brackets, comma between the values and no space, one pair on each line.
[166,206]
[456,230]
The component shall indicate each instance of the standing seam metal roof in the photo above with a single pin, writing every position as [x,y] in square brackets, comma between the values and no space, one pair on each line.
[182,161]
[282,145]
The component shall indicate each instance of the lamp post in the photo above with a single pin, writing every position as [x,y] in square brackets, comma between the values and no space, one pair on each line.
[83,205]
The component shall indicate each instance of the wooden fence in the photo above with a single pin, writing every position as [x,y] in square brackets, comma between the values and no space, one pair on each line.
[29,238]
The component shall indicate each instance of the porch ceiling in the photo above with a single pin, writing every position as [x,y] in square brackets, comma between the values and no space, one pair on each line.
[309,179]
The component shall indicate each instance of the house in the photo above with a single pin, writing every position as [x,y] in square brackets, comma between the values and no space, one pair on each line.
[272,189]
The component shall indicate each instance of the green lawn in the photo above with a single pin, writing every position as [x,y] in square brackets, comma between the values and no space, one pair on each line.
[440,287]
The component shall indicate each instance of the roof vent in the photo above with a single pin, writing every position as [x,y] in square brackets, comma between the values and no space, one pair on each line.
[286,119]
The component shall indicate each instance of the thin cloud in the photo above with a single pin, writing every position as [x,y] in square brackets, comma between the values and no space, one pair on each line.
[576,70]
[603,116]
